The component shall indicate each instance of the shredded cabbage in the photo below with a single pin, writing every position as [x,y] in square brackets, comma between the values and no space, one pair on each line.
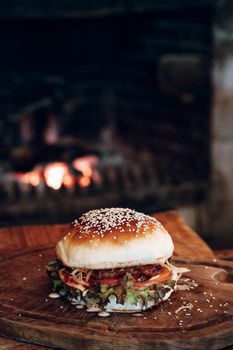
[176,271]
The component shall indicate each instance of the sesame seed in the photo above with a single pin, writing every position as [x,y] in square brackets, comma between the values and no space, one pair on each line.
[75,222]
[104,220]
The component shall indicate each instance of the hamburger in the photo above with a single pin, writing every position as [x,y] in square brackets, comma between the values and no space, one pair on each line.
[115,259]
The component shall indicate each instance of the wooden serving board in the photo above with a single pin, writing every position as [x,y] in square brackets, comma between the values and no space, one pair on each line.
[28,314]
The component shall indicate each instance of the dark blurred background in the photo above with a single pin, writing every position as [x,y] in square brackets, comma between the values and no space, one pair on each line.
[125,103]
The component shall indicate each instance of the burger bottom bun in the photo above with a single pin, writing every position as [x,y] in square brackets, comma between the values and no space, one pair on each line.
[113,306]
[127,307]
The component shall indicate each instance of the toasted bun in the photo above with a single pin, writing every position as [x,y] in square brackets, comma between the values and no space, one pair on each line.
[113,306]
[112,238]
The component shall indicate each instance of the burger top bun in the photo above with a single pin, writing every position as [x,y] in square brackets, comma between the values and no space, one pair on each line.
[113,238]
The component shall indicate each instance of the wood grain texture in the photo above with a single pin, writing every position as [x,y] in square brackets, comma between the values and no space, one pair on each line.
[8,344]
[26,312]
[187,242]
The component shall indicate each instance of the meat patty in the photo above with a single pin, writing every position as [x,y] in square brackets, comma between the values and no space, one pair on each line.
[136,271]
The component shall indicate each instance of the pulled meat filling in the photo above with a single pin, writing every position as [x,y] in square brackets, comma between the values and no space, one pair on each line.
[135,271]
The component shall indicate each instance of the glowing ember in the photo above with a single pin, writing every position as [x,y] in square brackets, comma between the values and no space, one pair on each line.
[85,165]
[58,173]
[84,181]
[68,181]
[54,174]
[31,178]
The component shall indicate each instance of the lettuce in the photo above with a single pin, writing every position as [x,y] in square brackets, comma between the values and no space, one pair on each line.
[131,298]
[126,292]
[99,294]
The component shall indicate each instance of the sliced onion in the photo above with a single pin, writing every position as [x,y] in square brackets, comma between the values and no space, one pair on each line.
[80,281]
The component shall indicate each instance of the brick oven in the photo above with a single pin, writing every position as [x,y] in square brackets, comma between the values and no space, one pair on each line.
[104,106]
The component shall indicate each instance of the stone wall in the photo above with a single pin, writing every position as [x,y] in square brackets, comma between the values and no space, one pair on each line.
[214,218]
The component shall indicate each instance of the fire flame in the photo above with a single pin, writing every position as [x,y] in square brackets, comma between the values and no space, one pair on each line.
[58,173]
[68,181]
[85,164]
[54,174]
[31,177]
[84,181]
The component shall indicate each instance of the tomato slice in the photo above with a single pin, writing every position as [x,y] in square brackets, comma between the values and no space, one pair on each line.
[67,278]
[110,281]
[164,274]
